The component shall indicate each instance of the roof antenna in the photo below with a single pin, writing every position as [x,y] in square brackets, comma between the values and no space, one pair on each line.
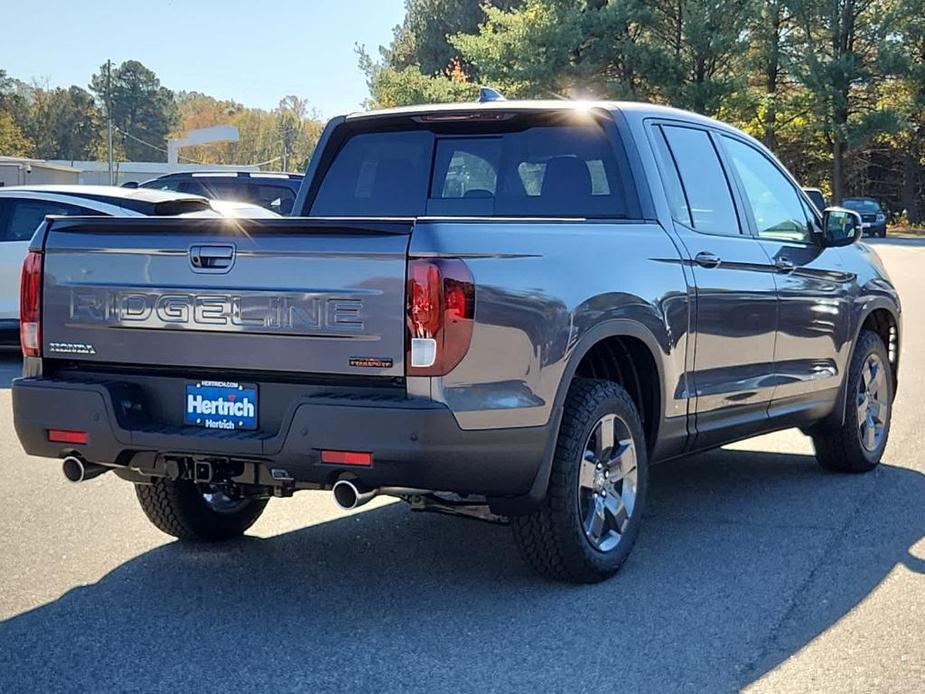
[487,94]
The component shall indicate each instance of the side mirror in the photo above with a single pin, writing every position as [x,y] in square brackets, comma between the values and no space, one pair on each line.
[841,227]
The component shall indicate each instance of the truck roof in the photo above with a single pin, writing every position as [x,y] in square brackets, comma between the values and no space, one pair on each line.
[637,108]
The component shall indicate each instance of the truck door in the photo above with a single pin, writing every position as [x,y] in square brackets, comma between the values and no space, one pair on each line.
[813,336]
[736,299]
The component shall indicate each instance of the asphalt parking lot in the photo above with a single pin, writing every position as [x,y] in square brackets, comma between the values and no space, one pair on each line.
[755,569]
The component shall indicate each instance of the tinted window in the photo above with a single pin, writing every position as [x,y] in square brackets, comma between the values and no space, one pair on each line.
[162,184]
[192,186]
[466,168]
[231,188]
[377,174]
[564,171]
[775,204]
[705,186]
[867,206]
[541,171]
[24,217]
[276,198]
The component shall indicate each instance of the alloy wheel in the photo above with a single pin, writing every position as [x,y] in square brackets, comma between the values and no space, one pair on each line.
[607,483]
[872,403]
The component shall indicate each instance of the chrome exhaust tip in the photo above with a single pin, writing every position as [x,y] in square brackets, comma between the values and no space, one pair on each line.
[349,495]
[77,470]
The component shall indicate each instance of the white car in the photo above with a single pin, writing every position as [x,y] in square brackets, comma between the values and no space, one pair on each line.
[23,208]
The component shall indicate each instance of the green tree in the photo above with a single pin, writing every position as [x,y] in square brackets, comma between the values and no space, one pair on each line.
[844,46]
[684,51]
[13,143]
[389,86]
[532,51]
[282,138]
[906,96]
[421,40]
[65,124]
[14,115]
[143,111]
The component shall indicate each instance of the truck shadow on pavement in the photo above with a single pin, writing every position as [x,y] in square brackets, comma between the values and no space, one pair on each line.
[744,559]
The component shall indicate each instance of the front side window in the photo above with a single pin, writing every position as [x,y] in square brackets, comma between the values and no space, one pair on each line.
[706,189]
[775,204]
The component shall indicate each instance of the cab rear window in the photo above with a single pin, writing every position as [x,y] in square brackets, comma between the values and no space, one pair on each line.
[540,171]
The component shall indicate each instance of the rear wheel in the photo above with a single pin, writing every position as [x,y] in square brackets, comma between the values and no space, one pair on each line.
[590,518]
[858,444]
[191,511]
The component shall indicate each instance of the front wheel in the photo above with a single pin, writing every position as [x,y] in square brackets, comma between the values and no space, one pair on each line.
[191,511]
[858,444]
[590,517]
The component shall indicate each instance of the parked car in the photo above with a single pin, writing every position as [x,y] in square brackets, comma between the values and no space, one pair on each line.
[504,311]
[22,209]
[274,191]
[818,199]
[873,218]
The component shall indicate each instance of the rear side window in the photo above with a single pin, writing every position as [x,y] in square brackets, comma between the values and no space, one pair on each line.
[541,171]
[24,216]
[165,184]
[218,188]
[276,198]
[377,174]
[706,189]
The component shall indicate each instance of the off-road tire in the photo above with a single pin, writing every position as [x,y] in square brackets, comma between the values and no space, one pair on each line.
[552,539]
[839,449]
[178,508]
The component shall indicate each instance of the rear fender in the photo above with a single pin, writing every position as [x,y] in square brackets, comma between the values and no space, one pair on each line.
[611,328]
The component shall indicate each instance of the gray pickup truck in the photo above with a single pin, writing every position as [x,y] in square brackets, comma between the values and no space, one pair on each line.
[506,311]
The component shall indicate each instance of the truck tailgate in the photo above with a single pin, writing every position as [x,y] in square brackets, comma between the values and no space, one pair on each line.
[295,295]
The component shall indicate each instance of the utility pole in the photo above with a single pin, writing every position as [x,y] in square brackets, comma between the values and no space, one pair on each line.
[112,180]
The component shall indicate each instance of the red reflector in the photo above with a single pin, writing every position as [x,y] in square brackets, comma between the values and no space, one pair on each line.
[62,436]
[346,458]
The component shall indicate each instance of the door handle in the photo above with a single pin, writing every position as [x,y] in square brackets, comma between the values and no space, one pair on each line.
[707,259]
[211,257]
[783,265]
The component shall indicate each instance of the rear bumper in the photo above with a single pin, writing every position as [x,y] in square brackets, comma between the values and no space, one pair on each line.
[415,443]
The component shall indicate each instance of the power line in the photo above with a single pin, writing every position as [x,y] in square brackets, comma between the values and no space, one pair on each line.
[180,156]
[155,147]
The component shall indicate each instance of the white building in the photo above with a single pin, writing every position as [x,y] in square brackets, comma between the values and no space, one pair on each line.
[19,171]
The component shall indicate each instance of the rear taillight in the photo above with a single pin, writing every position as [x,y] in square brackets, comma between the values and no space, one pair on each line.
[441,308]
[30,305]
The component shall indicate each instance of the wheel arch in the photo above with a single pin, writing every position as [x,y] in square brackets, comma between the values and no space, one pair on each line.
[882,317]
[641,343]
[886,323]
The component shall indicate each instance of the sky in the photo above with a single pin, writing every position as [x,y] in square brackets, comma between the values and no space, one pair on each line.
[250,51]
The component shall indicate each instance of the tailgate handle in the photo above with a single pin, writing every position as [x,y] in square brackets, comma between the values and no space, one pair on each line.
[211,258]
